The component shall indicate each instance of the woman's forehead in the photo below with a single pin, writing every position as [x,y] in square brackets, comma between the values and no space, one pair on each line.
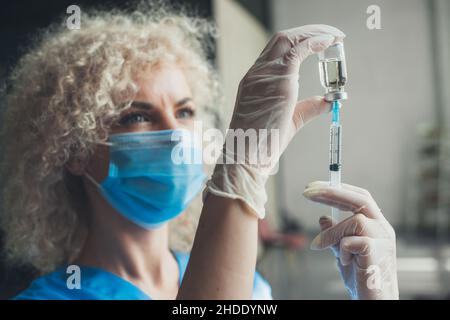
[163,81]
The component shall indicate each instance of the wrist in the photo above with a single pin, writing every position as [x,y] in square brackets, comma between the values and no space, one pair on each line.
[239,181]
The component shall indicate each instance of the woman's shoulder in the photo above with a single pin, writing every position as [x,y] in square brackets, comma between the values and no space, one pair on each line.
[261,288]
[93,284]
[51,286]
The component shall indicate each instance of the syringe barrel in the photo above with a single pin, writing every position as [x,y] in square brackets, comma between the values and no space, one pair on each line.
[335,147]
[335,178]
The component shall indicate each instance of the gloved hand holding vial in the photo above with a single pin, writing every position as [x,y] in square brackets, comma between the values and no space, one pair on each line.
[365,241]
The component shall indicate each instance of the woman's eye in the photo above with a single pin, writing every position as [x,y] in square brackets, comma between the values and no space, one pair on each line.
[185,113]
[133,118]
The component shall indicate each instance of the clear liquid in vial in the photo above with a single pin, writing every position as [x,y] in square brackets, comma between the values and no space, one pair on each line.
[333,74]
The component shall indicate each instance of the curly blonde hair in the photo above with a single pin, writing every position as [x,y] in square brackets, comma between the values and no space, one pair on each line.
[64,95]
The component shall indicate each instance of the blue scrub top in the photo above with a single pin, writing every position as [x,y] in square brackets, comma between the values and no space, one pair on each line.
[98,284]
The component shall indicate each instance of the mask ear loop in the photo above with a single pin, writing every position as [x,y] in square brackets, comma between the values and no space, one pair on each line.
[87,175]
[108,144]
[91,179]
[103,143]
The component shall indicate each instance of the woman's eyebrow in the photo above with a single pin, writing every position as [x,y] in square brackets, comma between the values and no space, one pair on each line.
[142,105]
[148,105]
[183,101]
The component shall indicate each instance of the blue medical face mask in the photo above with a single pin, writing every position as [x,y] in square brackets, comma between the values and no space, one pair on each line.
[153,176]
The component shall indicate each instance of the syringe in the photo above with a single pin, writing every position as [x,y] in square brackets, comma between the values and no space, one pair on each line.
[333,76]
[335,153]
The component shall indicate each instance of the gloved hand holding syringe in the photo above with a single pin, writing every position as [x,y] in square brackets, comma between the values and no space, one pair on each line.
[333,76]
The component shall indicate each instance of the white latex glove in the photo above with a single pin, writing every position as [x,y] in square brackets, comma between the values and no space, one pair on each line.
[267,99]
[364,244]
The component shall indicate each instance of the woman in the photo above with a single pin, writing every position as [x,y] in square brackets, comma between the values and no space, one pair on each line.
[90,178]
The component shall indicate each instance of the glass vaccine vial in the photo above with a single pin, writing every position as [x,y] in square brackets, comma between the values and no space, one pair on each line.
[333,72]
